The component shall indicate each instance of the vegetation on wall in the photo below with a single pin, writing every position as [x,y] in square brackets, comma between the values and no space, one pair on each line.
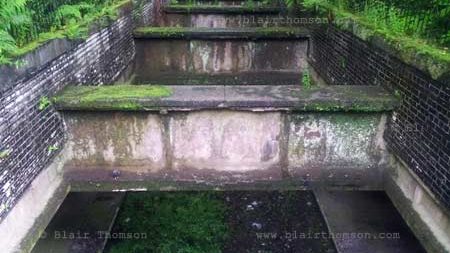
[418,30]
[428,20]
[26,24]
[183,223]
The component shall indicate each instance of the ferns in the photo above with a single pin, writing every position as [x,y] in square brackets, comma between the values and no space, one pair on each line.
[26,24]
[13,17]
[70,14]
[428,20]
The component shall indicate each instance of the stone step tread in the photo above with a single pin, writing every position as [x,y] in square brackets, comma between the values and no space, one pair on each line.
[337,98]
[240,78]
[368,213]
[221,9]
[250,33]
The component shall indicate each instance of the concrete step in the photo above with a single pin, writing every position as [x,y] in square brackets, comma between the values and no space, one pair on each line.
[366,221]
[228,50]
[245,33]
[227,20]
[227,2]
[202,50]
[269,98]
[219,9]
[216,135]
[240,78]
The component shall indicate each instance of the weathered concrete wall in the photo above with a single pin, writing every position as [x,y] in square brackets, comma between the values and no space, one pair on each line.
[28,218]
[236,146]
[154,57]
[425,214]
[223,20]
[337,148]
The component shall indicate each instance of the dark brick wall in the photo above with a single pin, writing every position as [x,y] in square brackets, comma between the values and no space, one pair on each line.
[29,134]
[419,131]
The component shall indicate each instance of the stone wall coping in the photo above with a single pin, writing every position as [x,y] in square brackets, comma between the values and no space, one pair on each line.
[249,98]
[253,33]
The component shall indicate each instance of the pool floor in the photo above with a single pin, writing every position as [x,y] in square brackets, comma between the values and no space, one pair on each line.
[230,221]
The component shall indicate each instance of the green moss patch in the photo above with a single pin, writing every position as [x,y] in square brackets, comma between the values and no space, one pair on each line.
[181,222]
[221,33]
[120,97]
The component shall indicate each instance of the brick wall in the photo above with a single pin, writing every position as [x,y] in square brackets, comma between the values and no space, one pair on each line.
[31,136]
[419,131]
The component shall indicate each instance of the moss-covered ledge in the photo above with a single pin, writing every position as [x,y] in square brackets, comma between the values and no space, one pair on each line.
[251,98]
[254,33]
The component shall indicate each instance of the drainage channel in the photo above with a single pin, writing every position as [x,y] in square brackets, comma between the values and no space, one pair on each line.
[227,221]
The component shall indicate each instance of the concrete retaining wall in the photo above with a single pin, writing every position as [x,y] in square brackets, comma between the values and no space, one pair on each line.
[154,57]
[428,218]
[226,146]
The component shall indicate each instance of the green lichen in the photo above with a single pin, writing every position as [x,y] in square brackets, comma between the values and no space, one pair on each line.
[121,97]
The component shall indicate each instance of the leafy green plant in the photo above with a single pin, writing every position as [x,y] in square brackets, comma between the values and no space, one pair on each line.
[52,148]
[306,79]
[70,14]
[250,4]
[4,153]
[44,102]
[13,17]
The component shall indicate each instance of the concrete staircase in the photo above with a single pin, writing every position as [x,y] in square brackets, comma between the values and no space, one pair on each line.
[221,104]
[220,44]
[213,102]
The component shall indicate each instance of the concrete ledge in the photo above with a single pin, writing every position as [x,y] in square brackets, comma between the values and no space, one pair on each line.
[24,224]
[205,33]
[247,98]
[217,147]
[429,220]
[217,9]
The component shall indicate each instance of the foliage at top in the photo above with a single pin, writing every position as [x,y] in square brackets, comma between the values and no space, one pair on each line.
[26,24]
[173,223]
[417,19]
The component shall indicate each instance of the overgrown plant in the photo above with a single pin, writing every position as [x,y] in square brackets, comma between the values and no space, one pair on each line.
[13,17]
[27,24]
[172,222]
[306,79]
[427,20]
[44,102]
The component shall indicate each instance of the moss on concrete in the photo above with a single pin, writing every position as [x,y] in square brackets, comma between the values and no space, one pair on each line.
[119,97]
[199,32]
